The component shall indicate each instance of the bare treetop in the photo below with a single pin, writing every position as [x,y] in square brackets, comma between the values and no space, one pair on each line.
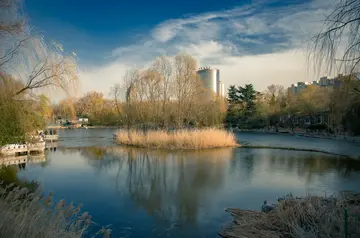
[337,46]
[28,58]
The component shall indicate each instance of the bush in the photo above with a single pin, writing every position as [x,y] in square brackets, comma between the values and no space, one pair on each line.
[28,215]
[299,217]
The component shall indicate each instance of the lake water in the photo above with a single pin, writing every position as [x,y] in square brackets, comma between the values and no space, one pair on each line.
[152,193]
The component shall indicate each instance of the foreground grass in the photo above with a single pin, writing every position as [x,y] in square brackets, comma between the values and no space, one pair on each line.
[181,139]
[305,217]
[23,214]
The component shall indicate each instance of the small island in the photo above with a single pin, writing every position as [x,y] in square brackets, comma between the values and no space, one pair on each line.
[179,139]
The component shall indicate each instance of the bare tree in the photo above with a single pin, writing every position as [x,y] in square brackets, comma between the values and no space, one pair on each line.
[186,86]
[169,93]
[338,43]
[28,58]
[11,17]
[12,30]
[164,67]
[117,92]
[52,70]
[131,79]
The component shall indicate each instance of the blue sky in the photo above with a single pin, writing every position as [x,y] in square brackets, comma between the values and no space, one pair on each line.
[256,41]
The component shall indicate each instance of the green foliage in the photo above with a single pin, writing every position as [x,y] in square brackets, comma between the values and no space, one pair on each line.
[247,95]
[339,107]
[233,96]
[11,128]
[17,119]
[20,114]
[242,105]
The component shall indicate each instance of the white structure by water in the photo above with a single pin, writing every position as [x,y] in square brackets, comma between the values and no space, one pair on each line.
[49,135]
[18,149]
[211,80]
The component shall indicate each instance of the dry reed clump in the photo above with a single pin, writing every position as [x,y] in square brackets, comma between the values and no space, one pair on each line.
[309,217]
[24,214]
[181,139]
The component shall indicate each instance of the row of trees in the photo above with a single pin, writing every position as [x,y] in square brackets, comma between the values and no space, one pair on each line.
[339,107]
[168,94]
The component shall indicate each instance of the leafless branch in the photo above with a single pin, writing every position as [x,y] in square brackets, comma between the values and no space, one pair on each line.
[339,37]
[9,55]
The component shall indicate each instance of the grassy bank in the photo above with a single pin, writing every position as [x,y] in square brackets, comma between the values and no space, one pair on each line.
[181,139]
[300,217]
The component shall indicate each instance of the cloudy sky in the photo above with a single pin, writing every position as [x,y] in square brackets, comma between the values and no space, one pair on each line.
[251,41]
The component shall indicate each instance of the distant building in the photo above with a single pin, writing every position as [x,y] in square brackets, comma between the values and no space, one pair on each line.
[323,82]
[211,80]
[83,120]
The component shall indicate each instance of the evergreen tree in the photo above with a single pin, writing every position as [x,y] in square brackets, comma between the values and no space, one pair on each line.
[247,95]
[233,96]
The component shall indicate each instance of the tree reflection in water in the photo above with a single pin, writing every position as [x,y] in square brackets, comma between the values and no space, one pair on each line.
[170,185]
[307,165]
[175,185]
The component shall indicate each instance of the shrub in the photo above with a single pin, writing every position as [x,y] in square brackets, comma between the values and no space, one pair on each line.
[299,217]
[24,214]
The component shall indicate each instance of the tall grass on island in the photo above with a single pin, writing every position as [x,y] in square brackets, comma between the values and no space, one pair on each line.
[24,214]
[180,139]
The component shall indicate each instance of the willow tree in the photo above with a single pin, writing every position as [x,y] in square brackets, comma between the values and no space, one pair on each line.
[25,55]
[338,43]
[33,67]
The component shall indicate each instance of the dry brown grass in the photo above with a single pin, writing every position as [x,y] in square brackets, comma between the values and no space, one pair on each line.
[181,139]
[28,215]
[309,217]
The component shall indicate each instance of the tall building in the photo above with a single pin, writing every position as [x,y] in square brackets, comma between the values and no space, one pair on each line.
[211,80]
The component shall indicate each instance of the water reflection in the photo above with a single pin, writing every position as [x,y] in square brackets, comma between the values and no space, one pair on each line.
[171,186]
[22,160]
[10,166]
[188,189]
[279,168]
[51,146]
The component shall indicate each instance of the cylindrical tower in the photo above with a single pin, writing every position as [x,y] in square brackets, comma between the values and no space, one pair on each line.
[210,78]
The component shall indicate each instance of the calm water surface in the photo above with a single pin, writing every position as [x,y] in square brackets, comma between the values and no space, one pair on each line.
[152,193]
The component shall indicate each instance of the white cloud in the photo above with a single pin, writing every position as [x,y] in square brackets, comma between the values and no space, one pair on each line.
[249,44]
[101,78]
[282,68]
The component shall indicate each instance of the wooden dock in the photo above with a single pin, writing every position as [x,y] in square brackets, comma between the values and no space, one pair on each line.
[22,149]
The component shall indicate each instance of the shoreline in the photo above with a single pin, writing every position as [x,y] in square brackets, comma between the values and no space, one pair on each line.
[297,149]
[354,139]
[89,127]
[332,216]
